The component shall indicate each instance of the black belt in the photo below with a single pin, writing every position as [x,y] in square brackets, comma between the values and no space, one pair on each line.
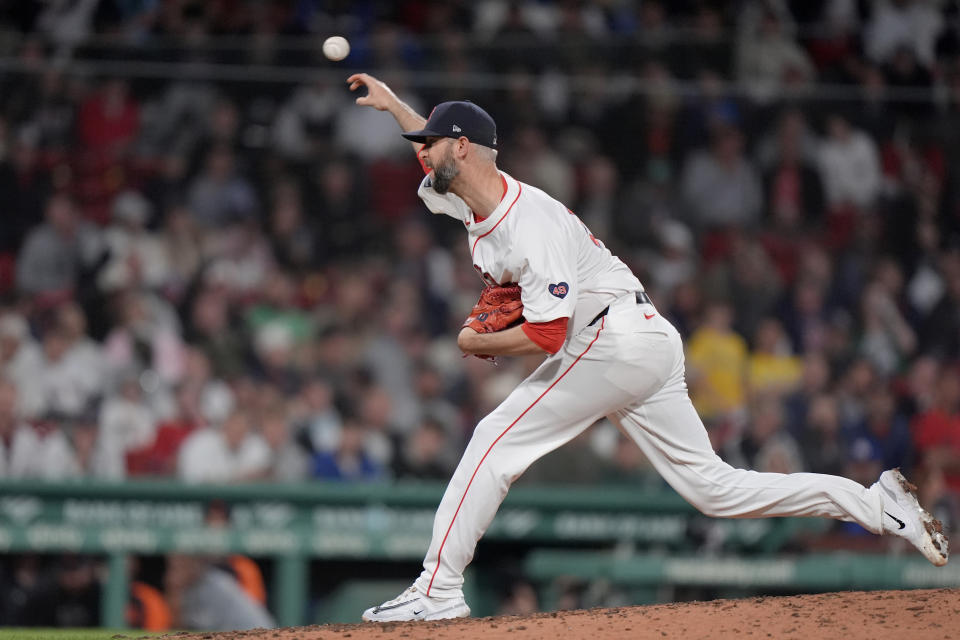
[642,298]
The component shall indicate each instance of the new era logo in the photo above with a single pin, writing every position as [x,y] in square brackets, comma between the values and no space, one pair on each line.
[456,129]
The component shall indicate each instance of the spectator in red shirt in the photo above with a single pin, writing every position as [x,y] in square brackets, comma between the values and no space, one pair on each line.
[936,431]
[160,457]
[109,119]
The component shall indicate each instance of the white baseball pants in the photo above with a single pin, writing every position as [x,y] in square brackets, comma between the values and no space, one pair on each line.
[628,366]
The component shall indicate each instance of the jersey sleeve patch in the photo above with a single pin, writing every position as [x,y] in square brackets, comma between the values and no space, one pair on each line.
[559,290]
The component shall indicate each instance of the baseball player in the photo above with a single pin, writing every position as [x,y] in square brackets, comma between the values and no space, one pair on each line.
[609,352]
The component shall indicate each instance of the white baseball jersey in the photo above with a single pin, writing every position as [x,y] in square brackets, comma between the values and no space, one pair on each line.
[628,366]
[533,240]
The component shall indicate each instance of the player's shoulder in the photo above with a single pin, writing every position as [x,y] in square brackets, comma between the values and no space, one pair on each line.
[537,207]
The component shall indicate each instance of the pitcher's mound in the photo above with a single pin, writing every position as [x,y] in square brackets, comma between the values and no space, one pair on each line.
[855,615]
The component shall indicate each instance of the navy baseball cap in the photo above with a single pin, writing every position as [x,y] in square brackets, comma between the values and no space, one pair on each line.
[456,119]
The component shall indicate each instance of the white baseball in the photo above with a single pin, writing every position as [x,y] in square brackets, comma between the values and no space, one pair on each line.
[336,48]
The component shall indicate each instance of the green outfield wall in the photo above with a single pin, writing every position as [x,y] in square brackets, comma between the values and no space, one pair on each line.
[372,522]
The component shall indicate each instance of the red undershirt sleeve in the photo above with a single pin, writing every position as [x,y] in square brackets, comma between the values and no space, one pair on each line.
[549,336]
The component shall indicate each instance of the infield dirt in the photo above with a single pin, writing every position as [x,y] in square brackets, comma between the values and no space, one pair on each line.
[853,615]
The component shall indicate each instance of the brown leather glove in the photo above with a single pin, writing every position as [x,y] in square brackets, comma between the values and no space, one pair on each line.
[498,308]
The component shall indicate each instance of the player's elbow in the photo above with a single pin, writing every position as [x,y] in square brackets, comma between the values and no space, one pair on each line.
[549,349]
[465,339]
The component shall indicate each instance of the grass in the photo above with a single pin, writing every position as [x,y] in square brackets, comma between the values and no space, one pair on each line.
[74,634]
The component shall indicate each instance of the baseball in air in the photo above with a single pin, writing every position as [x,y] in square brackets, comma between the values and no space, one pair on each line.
[336,48]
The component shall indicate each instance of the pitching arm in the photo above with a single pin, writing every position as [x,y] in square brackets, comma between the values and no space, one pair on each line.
[509,342]
[382,98]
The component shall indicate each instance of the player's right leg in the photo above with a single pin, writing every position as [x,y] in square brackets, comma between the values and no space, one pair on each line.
[564,396]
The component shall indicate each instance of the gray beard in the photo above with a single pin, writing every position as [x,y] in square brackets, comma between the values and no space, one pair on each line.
[443,175]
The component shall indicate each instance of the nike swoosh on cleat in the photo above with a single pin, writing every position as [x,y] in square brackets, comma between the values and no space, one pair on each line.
[899,521]
[394,606]
[416,613]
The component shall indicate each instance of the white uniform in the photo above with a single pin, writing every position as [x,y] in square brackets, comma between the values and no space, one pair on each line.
[628,366]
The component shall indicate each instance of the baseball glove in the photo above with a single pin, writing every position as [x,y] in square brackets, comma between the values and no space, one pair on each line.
[498,308]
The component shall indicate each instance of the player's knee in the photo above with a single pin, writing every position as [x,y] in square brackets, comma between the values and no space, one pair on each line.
[502,473]
[707,490]
[484,435]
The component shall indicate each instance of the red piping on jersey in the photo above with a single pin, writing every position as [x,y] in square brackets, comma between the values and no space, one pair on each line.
[490,448]
[519,191]
[478,218]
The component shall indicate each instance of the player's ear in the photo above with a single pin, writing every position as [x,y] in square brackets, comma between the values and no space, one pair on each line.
[461,147]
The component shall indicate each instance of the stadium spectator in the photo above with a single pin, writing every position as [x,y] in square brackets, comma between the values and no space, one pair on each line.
[137,258]
[887,339]
[886,429]
[21,361]
[422,458]
[349,461]
[28,451]
[279,306]
[82,350]
[66,384]
[126,424]
[717,364]
[301,130]
[292,239]
[181,243]
[815,379]
[532,160]
[206,598]
[91,455]
[766,445]
[769,60]
[792,185]
[772,368]
[212,331]
[220,195]
[377,417]
[849,166]
[936,431]
[895,24]
[159,456]
[720,186]
[288,461]
[230,452]
[319,421]
[275,348]
[675,263]
[64,594]
[56,253]
[823,446]
[146,335]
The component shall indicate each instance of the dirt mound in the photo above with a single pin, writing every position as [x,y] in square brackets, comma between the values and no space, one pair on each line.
[931,613]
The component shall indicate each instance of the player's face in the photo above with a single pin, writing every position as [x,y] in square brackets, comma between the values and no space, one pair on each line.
[439,157]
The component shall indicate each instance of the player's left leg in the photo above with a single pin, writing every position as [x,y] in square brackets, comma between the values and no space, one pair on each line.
[670,433]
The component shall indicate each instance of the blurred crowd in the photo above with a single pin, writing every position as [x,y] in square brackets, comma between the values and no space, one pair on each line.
[228,280]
